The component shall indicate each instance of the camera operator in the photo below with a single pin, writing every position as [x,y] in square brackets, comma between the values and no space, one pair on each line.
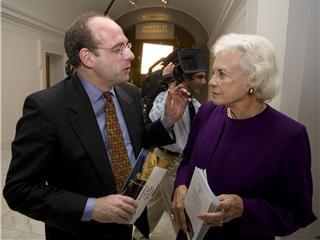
[153,83]
[191,72]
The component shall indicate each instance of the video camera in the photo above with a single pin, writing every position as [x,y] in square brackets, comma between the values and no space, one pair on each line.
[187,61]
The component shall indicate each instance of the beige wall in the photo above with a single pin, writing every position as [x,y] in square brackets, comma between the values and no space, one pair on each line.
[24,45]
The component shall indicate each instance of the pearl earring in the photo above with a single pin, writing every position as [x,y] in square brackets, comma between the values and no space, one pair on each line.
[250,91]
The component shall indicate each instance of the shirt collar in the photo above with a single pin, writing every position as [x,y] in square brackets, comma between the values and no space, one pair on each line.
[93,92]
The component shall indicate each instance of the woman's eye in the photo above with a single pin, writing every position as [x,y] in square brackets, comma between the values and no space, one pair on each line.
[222,75]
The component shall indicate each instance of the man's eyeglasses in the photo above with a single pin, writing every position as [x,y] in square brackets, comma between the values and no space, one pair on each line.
[119,49]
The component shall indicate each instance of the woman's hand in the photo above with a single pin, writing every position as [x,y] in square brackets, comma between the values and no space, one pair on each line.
[178,208]
[230,207]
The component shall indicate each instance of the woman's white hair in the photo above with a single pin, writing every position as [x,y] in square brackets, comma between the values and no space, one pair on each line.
[257,58]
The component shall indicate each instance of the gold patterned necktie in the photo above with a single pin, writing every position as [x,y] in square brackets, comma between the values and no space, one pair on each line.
[117,148]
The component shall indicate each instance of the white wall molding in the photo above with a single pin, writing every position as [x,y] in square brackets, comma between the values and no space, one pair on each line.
[264,19]
[25,42]
[15,16]
[230,9]
[182,19]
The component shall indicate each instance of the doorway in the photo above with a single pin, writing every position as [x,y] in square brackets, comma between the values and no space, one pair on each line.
[152,53]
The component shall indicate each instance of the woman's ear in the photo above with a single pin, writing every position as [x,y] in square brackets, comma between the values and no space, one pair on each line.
[86,57]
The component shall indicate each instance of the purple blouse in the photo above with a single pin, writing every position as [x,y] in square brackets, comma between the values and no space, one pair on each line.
[264,159]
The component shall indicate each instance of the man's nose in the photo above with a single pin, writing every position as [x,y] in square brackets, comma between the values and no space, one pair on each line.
[129,54]
[132,54]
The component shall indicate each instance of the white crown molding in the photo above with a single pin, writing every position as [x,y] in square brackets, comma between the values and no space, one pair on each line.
[230,9]
[16,16]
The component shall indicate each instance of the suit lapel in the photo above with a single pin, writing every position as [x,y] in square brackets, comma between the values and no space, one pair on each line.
[129,111]
[84,123]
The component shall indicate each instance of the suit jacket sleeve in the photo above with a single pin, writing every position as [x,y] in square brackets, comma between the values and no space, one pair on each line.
[141,135]
[28,188]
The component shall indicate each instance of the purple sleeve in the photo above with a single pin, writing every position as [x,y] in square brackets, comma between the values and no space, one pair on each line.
[186,167]
[291,207]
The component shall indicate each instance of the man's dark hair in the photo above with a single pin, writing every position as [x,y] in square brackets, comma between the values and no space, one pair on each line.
[79,36]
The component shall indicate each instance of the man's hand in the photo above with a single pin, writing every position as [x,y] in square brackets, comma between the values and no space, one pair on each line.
[178,207]
[114,208]
[175,104]
[168,69]
[167,74]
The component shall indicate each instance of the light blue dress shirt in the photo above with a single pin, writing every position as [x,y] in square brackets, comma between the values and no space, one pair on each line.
[97,101]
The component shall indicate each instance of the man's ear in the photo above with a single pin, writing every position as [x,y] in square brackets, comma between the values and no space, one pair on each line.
[86,57]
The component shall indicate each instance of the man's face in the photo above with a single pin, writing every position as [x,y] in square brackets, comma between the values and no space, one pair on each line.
[112,61]
[197,81]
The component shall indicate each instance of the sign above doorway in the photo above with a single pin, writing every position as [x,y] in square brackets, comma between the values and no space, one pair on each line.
[155,30]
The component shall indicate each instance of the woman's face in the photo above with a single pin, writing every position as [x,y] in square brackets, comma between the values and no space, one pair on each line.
[228,84]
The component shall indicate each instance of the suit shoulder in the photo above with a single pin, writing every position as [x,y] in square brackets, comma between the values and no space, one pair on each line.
[128,86]
[53,94]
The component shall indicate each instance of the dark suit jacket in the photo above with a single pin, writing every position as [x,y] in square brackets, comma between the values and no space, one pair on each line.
[59,159]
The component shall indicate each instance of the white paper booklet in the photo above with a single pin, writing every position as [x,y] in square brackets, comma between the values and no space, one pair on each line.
[199,199]
[144,180]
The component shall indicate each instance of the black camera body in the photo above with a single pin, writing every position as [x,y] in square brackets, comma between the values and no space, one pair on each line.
[187,61]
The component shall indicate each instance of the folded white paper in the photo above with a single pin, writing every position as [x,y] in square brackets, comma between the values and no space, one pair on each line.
[199,199]
[144,179]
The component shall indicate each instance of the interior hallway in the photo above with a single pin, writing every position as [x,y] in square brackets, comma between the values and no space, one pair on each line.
[15,226]
[34,29]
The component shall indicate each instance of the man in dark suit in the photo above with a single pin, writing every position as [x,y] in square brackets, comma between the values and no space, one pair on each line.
[61,172]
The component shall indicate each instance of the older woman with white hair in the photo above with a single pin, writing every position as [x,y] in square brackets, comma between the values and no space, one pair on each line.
[257,159]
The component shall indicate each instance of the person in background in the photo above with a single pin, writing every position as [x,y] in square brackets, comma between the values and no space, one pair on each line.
[257,159]
[62,170]
[193,81]
[152,84]
[150,88]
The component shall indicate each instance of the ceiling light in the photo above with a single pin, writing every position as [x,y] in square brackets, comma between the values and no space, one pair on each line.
[132,2]
[165,3]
